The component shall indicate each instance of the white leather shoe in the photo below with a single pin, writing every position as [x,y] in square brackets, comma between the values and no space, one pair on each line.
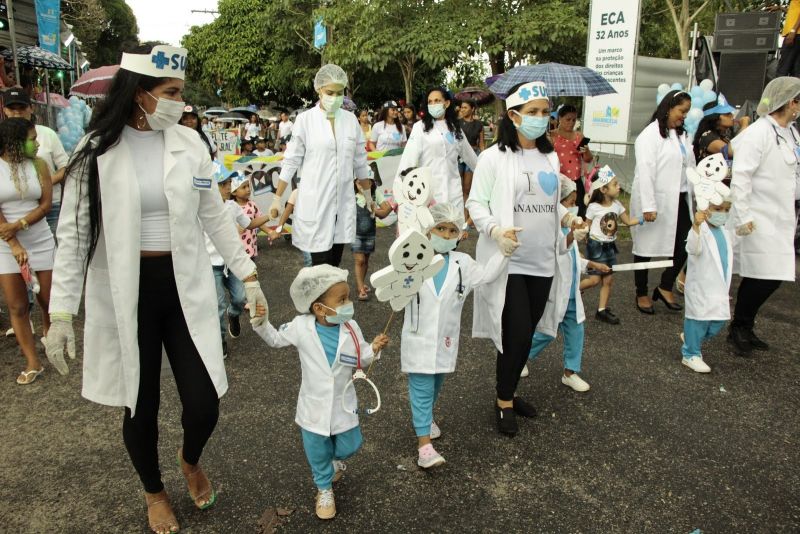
[575,382]
[696,364]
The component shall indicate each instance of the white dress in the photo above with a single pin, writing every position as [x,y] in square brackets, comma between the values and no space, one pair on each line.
[37,240]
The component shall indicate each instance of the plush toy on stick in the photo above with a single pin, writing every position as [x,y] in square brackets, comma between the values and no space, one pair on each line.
[413,197]
[707,181]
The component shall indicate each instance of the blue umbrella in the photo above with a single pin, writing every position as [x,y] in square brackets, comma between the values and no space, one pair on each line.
[561,80]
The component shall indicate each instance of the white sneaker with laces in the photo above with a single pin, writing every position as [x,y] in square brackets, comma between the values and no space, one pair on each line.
[326,505]
[524,372]
[575,382]
[436,432]
[428,457]
[696,364]
[338,470]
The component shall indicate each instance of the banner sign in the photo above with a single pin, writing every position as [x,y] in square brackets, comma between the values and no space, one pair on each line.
[48,19]
[320,34]
[227,142]
[611,51]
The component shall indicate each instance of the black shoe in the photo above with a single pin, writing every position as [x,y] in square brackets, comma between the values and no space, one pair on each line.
[670,305]
[524,409]
[739,339]
[649,310]
[506,420]
[606,316]
[755,342]
[234,328]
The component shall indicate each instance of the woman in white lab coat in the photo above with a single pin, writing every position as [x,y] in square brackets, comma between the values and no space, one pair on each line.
[661,194]
[516,189]
[326,151]
[138,197]
[437,142]
[764,185]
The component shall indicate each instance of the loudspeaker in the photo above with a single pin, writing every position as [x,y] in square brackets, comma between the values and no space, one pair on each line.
[737,22]
[742,76]
[750,41]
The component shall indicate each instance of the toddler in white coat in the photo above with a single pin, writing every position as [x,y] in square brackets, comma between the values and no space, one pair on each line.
[708,282]
[432,325]
[330,345]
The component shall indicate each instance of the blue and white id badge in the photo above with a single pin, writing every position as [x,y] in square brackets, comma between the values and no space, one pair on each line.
[347,359]
[202,184]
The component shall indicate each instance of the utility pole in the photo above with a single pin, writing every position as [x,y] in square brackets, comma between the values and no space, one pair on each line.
[209,11]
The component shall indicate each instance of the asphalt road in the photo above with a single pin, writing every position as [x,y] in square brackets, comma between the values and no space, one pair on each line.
[653,447]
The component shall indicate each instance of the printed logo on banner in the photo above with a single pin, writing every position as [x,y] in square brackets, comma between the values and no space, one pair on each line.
[607,117]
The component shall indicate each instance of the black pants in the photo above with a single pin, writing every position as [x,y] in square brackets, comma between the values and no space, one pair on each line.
[789,62]
[581,192]
[161,321]
[753,293]
[331,257]
[679,253]
[526,297]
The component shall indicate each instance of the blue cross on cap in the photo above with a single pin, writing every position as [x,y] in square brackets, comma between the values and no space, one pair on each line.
[160,59]
[525,94]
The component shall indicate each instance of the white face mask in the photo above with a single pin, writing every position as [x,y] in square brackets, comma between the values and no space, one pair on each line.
[331,103]
[573,210]
[167,114]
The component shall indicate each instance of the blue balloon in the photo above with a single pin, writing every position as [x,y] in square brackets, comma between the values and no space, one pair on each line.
[697,91]
[697,102]
[676,87]
[709,96]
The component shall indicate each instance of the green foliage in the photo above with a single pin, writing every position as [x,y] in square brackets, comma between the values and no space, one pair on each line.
[119,34]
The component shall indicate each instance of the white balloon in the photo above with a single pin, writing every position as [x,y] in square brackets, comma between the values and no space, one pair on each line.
[694,115]
[707,85]
[663,89]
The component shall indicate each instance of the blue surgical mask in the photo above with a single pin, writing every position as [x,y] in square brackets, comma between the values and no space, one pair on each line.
[718,218]
[573,210]
[532,127]
[436,110]
[344,313]
[442,245]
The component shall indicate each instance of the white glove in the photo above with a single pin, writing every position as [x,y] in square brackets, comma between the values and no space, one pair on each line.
[369,203]
[580,234]
[275,208]
[745,229]
[506,244]
[570,221]
[60,333]
[255,297]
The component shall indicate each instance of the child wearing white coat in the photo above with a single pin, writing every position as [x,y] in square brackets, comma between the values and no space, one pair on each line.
[432,325]
[330,344]
[708,282]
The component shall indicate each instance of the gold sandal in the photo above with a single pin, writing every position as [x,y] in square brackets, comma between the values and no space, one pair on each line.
[165,527]
[27,377]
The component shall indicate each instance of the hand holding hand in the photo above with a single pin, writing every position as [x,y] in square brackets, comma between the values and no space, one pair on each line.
[275,208]
[650,216]
[256,298]
[580,234]
[746,229]
[379,343]
[699,218]
[60,333]
[506,239]
[272,235]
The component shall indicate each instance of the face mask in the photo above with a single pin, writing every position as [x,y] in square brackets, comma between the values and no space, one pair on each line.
[167,114]
[343,313]
[532,127]
[718,218]
[332,103]
[442,245]
[573,210]
[436,110]
[30,149]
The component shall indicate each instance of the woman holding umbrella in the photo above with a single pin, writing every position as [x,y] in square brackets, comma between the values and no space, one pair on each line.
[514,204]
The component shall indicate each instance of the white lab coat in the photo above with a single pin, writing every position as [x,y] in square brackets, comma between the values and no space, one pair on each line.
[438,151]
[764,188]
[558,300]
[432,324]
[707,286]
[491,203]
[111,349]
[325,212]
[656,187]
[319,404]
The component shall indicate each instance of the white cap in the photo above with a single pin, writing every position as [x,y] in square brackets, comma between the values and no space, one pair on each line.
[567,186]
[312,282]
[604,177]
[162,62]
[444,212]
[526,92]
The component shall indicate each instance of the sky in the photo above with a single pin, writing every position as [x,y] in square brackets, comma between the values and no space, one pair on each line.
[169,20]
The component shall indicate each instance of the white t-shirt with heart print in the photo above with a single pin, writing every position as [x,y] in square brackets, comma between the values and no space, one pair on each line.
[605,220]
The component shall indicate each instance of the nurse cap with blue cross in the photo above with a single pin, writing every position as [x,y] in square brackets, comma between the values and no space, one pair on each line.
[526,92]
[162,62]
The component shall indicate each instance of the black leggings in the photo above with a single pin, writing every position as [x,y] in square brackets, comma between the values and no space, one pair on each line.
[526,297]
[752,294]
[679,253]
[161,321]
[331,257]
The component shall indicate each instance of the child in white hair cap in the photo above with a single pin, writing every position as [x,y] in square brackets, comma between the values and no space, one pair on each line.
[432,325]
[564,309]
[708,282]
[325,335]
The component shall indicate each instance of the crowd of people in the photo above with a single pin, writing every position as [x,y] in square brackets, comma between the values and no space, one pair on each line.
[162,238]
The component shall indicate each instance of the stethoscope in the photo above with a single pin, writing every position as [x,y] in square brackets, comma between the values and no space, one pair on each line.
[461,293]
[359,374]
[795,151]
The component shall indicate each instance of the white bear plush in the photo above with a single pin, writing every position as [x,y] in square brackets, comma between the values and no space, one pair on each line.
[413,197]
[412,262]
[707,181]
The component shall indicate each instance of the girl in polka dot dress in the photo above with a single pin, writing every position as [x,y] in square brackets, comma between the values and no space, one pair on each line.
[240,191]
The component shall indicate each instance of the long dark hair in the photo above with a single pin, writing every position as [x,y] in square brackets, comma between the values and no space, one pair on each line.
[708,124]
[199,129]
[450,116]
[671,100]
[13,134]
[507,136]
[382,116]
[105,129]
[566,108]
[413,112]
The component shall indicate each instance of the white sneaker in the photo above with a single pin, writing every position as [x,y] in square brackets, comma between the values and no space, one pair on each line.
[436,432]
[575,382]
[338,470]
[696,364]
[524,372]
[428,457]
[10,331]
[326,505]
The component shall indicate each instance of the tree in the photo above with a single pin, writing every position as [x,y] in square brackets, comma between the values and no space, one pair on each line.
[119,33]
[87,18]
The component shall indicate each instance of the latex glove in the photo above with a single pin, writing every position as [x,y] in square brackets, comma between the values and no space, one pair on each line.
[255,297]
[60,333]
[275,208]
[369,203]
[746,229]
[506,244]
[571,221]
[580,234]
